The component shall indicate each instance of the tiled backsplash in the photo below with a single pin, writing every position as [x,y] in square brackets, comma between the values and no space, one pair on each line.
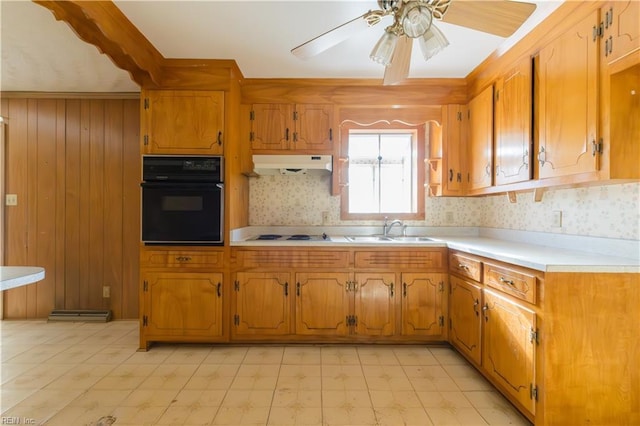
[600,211]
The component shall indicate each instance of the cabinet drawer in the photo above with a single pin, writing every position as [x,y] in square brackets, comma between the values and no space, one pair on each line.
[181,259]
[414,259]
[520,283]
[465,266]
[292,258]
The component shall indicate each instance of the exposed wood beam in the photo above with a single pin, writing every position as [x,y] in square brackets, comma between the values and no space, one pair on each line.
[103,25]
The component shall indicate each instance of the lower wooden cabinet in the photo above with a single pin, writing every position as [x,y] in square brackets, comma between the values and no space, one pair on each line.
[262,303]
[375,303]
[322,303]
[178,306]
[465,322]
[509,347]
[423,304]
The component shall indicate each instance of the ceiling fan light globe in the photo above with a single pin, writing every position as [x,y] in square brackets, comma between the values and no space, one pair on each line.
[382,52]
[416,20]
[432,42]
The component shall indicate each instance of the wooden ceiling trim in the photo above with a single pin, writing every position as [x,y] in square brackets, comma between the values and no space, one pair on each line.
[103,25]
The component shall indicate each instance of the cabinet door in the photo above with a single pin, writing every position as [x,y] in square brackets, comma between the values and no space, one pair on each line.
[481,139]
[183,122]
[454,148]
[508,352]
[262,304]
[375,305]
[313,128]
[622,32]
[464,318]
[568,94]
[322,303]
[423,298]
[513,124]
[271,126]
[181,304]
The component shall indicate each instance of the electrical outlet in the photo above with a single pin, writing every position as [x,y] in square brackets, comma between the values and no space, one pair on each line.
[11,200]
[556,219]
[325,218]
[106,291]
[448,217]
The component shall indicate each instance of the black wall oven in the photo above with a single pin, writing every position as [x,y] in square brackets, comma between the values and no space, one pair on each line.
[182,200]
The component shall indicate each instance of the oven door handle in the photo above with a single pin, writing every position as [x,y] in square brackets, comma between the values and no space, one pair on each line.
[181,185]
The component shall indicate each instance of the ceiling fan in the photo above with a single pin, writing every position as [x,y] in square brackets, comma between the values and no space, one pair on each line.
[414,19]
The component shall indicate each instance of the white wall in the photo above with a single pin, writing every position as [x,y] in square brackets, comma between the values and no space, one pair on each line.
[604,211]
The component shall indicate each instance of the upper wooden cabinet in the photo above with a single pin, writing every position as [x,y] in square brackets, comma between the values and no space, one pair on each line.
[481,140]
[300,127]
[513,141]
[568,96]
[446,154]
[621,31]
[182,122]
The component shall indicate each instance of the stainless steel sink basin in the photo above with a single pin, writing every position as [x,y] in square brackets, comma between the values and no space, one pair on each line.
[368,238]
[412,239]
[388,239]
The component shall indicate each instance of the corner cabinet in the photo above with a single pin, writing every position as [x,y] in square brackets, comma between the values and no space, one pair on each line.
[291,127]
[447,148]
[181,296]
[182,122]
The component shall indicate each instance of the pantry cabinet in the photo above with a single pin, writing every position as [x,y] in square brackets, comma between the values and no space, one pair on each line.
[182,122]
[291,127]
[480,115]
[181,296]
[568,101]
[513,137]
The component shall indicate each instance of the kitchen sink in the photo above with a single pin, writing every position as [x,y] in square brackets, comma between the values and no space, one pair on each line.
[368,238]
[387,239]
[412,239]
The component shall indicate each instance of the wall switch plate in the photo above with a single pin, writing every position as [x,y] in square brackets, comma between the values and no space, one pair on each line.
[556,219]
[106,291]
[11,200]
[448,217]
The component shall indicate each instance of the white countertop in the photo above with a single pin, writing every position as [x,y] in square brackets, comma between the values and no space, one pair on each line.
[527,249]
[16,276]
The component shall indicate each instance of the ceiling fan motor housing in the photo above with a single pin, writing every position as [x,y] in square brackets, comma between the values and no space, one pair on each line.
[388,5]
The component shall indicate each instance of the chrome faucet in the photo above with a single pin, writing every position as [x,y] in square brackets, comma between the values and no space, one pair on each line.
[386,228]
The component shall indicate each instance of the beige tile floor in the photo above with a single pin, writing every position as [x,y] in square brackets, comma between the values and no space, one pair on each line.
[63,373]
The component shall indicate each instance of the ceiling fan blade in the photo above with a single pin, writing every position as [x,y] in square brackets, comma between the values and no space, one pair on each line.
[501,18]
[398,69]
[332,37]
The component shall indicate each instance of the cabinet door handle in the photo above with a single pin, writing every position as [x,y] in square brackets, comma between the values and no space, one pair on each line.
[219,289]
[485,309]
[450,175]
[286,288]
[183,258]
[286,134]
[404,289]
[506,281]
[391,290]
[220,138]
[475,307]
[298,289]
[330,134]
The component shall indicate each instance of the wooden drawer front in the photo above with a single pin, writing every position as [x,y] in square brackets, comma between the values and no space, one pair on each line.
[465,266]
[416,259]
[293,258]
[181,259]
[516,282]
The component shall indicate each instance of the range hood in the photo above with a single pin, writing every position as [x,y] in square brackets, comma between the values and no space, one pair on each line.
[292,164]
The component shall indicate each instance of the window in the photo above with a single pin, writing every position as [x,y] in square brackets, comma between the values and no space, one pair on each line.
[384,173]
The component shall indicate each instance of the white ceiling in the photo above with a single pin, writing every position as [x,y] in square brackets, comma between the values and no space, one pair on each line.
[39,53]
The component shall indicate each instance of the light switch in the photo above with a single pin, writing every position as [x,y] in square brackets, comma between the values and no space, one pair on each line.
[11,200]
[556,219]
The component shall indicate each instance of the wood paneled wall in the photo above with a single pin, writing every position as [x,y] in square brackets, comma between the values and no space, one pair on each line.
[75,166]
